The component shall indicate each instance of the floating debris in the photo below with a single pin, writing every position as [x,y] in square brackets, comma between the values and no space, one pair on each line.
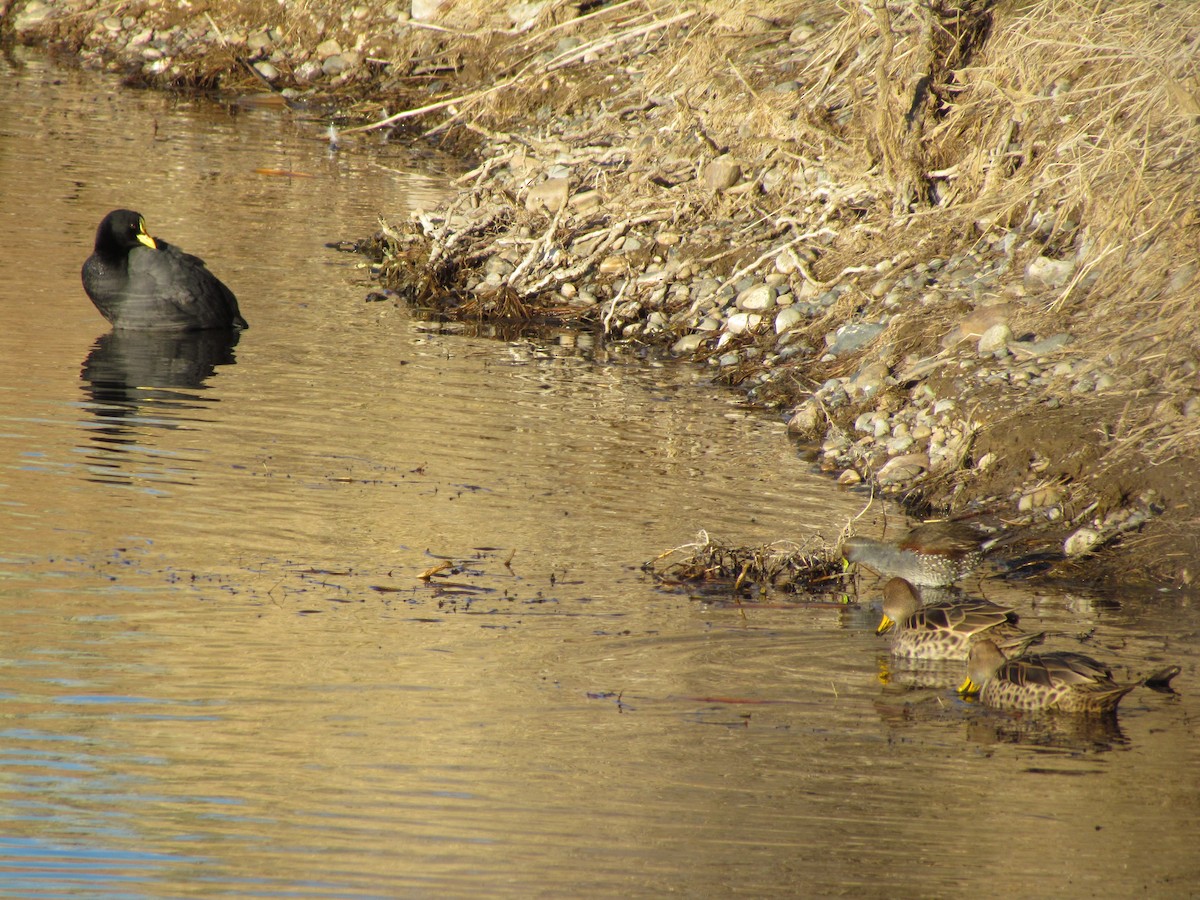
[783,566]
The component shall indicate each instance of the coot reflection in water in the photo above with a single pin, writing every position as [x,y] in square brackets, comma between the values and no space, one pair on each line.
[136,380]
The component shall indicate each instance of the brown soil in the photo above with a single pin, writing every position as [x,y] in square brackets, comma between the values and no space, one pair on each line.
[869,140]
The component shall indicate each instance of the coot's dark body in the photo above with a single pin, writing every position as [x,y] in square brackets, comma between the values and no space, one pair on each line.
[138,282]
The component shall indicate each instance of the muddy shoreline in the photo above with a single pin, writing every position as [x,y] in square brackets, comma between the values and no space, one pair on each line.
[955,292]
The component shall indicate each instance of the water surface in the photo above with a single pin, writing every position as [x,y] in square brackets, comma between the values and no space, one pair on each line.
[225,676]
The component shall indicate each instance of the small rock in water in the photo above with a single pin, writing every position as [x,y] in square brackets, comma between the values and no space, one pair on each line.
[808,421]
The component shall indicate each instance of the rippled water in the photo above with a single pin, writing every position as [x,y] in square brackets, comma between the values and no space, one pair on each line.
[224,675]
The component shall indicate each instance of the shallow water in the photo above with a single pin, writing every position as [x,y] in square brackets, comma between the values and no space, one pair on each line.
[223,675]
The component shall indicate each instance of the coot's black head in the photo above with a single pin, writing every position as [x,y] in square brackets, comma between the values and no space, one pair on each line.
[120,231]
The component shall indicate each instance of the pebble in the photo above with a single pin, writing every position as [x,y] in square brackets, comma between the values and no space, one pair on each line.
[1081,542]
[1045,273]
[741,322]
[851,337]
[586,202]
[30,15]
[807,421]
[328,48]
[308,71]
[721,174]
[1040,348]
[756,298]
[335,65]
[868,380]
[1040,498]
[903,469]
[788,318]
[995,338]
[550,195]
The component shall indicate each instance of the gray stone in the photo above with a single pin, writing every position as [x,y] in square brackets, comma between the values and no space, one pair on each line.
[808,421]
[721,174]
[550,194]
[852,337]
[328,48]
[1045,273]
[788,318]
[743,322]
[31,15]
[995,338]
[335,65]
[689,343]
[756,298]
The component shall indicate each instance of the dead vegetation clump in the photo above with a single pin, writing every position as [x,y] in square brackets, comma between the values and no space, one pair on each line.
[780,567]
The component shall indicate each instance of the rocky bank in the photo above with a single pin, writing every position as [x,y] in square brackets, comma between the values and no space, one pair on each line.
[955,247]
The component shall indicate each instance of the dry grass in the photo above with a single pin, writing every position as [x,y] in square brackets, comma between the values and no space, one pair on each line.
[909,132]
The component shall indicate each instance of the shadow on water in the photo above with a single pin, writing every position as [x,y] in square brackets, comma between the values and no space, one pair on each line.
[133,380]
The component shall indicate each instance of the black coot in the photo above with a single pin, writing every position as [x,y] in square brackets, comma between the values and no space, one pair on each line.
[139,282]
